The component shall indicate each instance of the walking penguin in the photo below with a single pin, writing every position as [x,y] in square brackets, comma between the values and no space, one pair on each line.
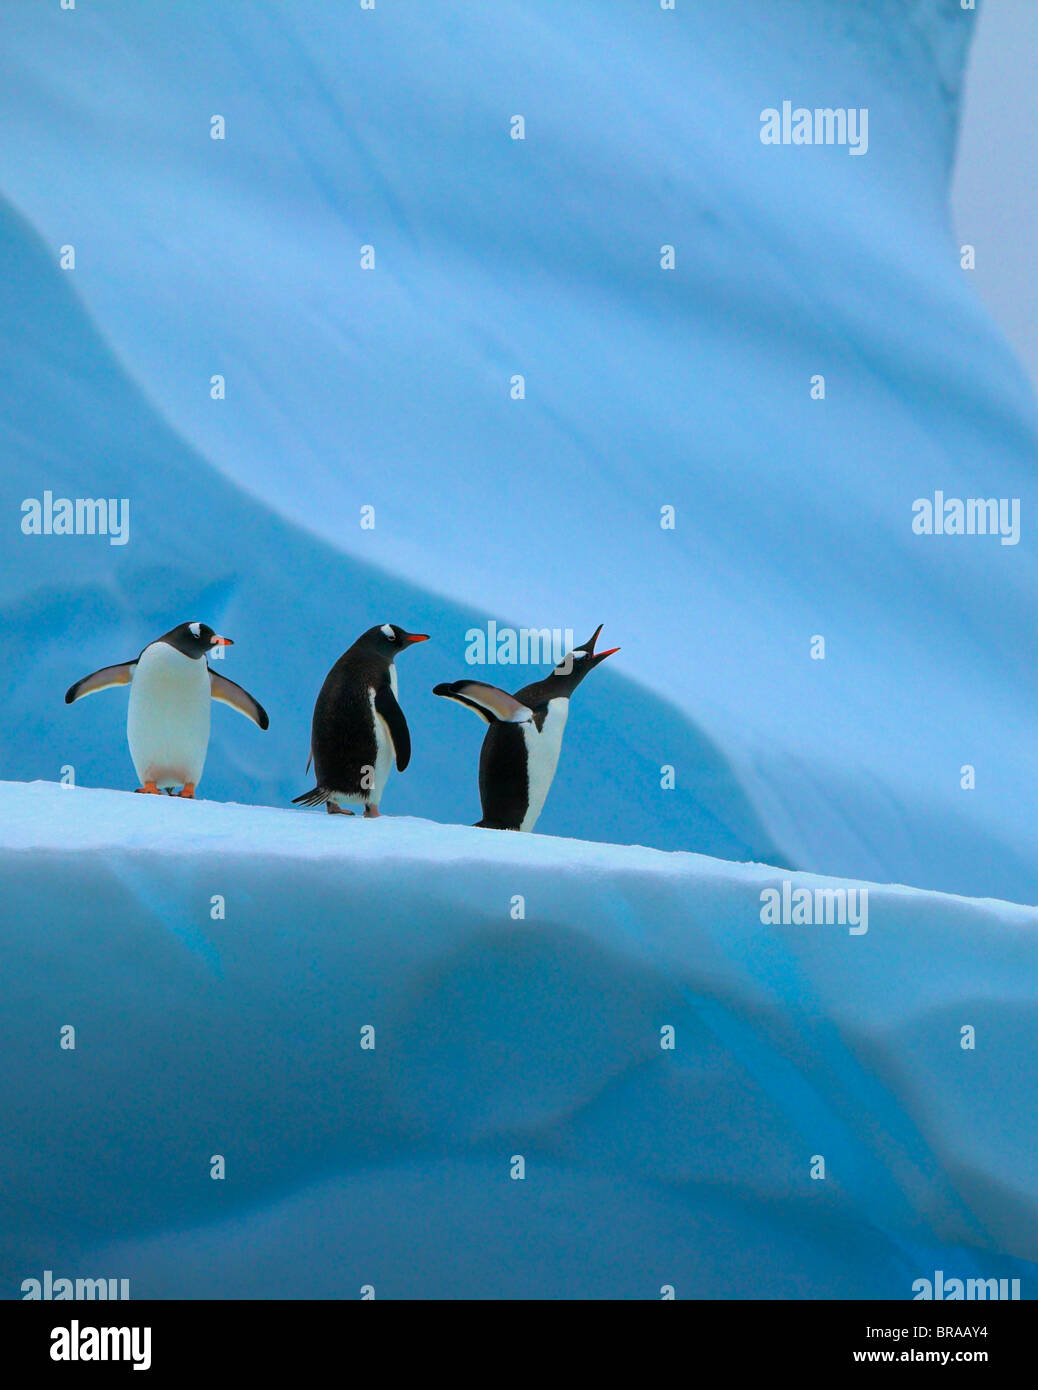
[359,729]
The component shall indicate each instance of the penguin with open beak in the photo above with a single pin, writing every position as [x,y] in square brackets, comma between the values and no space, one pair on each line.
[522,745]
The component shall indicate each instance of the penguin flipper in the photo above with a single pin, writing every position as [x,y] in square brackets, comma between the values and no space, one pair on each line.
[101,680]
[386,705]
[230,694]
[491,704]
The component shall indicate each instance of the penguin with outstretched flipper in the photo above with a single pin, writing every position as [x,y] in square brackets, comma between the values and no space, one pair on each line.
[521,749]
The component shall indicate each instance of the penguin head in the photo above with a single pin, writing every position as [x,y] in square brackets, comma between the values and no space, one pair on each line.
[195,639]
[576,664]
[388,640]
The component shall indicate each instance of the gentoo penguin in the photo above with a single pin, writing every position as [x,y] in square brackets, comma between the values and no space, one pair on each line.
[359,730]
[521,748]
[167,723]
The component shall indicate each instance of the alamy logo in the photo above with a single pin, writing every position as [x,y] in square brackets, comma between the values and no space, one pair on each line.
[940,1288]
[824,125]
[806,907]
[61,1288]
[76,1343]
[526,646]
[77,516]
[970,516]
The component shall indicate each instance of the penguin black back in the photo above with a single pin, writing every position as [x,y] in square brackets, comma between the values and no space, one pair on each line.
[504,782]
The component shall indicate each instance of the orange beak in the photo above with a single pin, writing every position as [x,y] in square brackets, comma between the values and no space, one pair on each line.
[417,637]
[220,642]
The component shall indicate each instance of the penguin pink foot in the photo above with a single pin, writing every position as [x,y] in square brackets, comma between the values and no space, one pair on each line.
[334,810]
[370,812]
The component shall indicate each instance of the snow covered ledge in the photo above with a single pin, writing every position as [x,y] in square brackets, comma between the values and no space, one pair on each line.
[820,1125]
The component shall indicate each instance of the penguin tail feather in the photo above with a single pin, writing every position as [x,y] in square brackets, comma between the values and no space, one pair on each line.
[317,796]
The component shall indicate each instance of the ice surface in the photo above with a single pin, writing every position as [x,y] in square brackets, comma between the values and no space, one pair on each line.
[495,1036]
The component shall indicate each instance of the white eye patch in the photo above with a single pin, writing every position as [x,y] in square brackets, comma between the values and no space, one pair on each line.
[195,629]
[580,654]
[388,631]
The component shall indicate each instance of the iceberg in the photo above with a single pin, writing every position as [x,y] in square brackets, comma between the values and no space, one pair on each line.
[437,1061]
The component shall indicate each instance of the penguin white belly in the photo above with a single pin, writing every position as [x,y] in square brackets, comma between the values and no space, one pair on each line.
[542,757]
[167,723]
[385,754]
